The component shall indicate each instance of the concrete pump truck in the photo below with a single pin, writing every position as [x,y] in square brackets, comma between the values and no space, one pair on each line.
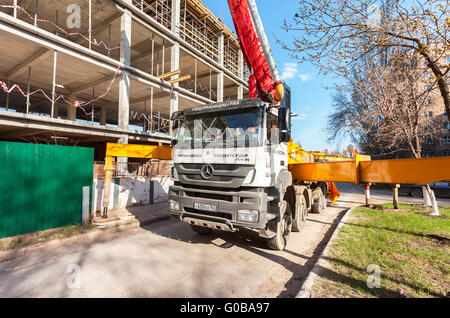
[230,159]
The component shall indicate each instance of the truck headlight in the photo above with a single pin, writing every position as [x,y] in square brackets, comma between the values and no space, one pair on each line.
[174,205]
[173,173]
[251,216]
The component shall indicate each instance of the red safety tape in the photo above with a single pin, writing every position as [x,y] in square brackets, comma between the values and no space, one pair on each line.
[93,41]
[77,103]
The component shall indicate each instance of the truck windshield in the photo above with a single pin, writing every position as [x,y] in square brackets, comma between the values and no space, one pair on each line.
[234,128]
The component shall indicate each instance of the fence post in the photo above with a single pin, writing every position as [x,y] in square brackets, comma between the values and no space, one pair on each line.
[85,206]
[93,198]
[367,194]
[152,191]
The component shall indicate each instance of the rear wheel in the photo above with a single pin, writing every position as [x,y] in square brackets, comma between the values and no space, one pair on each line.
[300,214]
[281,228]
[319,205]
[200,229]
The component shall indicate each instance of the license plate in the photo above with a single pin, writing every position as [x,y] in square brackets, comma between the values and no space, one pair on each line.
[205,207]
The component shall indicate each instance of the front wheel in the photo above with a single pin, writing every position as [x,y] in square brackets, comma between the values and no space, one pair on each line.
[319,205]
[282,229]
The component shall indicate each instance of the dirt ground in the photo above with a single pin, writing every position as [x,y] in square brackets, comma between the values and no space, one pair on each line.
[167,259]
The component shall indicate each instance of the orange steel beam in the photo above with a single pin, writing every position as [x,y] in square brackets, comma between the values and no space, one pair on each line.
[409,171]
[393,171]
[360,170]
[340,171]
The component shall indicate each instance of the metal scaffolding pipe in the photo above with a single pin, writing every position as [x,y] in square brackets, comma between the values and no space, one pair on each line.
[55,57]
[28,89]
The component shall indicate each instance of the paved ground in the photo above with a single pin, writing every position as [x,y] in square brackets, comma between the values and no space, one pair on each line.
[167,259]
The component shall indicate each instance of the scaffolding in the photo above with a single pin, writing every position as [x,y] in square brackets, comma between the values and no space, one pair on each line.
[195,30]
[231,56]
[199,28]
[159,10]
[48,93]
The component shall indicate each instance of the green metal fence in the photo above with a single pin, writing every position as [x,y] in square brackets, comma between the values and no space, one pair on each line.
[41,186]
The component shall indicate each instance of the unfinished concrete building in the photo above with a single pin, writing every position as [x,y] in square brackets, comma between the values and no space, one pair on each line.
[87,72]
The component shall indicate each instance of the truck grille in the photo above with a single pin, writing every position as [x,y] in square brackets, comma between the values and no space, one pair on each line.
[224,175]
[213,196]
[227,216]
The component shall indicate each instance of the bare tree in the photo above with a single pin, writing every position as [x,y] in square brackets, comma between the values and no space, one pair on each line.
[383,106]
[335,34]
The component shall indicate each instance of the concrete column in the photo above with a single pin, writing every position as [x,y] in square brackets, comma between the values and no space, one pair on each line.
[175,18]
[174,56]
[240,93]
[71,109]
[103,116]
[124,86]
[220,46]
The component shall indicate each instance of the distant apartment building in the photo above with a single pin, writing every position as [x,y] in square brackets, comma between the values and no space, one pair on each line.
[440,144]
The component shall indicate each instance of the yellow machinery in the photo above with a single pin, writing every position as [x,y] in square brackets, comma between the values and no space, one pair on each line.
[311,166]
[132,151]
[364,170]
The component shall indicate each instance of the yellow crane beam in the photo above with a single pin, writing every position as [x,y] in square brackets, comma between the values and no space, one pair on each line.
[409,171]
[114,150]
[358,170]
[139,151]
[392,171]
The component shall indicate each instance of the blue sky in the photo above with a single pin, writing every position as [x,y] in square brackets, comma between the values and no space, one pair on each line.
[310,100]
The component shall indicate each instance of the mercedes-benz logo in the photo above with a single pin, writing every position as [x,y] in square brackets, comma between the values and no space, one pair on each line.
[207,171]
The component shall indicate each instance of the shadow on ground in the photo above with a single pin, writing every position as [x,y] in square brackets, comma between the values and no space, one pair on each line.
[249,240]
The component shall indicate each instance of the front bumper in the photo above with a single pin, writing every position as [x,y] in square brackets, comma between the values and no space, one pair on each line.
[225,216]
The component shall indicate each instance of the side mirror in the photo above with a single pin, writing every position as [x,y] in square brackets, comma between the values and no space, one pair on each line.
[285,136]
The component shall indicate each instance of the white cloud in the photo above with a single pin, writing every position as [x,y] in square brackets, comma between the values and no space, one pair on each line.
[305,77]
[290,70]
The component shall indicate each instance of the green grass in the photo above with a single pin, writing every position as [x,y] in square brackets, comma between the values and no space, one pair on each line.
[412,263]
[443,210]
[44,236]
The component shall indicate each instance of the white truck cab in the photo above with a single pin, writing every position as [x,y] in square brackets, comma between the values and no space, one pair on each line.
[230,168]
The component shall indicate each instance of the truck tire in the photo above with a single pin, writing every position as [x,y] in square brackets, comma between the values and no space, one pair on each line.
[301,211]
[282,229]
[318,205]
[200,229]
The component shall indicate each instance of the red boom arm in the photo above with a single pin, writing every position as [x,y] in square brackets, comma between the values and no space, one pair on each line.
[261,82]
